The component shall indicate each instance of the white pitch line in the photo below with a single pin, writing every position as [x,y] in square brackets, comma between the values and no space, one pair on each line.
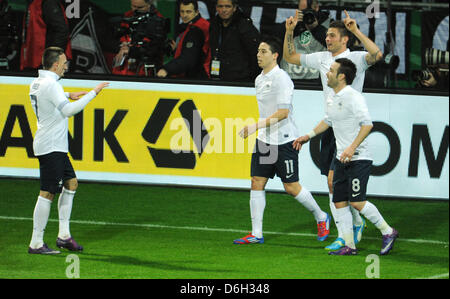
[421,241]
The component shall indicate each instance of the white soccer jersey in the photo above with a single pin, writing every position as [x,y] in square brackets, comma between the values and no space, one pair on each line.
[346,112]
[48,99]
[323,61]
[275,91]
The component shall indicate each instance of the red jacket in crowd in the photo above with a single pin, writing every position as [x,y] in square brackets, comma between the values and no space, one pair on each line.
[42,29]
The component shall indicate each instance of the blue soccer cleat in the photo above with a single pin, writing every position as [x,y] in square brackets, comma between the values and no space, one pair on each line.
[336,245]
[358,230]
[249,239]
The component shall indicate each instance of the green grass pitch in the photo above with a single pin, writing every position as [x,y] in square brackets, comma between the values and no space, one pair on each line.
[137,231]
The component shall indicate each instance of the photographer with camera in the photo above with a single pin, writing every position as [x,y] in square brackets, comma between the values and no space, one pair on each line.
[309,37]
[435,75]
[143,40]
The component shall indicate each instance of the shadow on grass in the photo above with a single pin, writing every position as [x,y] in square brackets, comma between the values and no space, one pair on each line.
[133,261]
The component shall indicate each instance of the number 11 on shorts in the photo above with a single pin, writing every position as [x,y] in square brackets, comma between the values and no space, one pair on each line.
[289,166]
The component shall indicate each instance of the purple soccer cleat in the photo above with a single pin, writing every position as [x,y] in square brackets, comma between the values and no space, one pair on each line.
[344,251]
[43,250]
[388,242]
[69,244]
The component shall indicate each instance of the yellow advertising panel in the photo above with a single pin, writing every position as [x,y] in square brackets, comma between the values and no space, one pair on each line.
[167,131]
[181,134]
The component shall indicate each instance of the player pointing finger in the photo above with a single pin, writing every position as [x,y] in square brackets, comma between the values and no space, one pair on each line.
[291,22]
[350,23]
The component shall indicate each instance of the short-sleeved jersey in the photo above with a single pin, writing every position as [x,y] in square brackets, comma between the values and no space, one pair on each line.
[47,99]
[274,91]
[346,112]
[323,61]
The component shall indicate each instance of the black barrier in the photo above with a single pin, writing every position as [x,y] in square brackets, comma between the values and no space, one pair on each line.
[298,84]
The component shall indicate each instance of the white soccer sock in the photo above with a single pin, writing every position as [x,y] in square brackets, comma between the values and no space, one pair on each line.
[357,220]
[40,219]
[257,206]
[371,213]
[344,221]
[333,213]
[64,210]
[308,201]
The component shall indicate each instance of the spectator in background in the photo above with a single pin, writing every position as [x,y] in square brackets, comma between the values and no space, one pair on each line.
[139,52]
[234,44]
[192,54]
[309,37]
[45,25]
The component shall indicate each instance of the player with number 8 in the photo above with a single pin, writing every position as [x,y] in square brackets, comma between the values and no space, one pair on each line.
[348,115]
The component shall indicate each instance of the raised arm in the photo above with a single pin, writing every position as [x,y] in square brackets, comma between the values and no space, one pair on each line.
[289,53]
[374,52]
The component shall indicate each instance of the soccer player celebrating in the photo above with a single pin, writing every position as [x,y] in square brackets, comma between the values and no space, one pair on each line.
[274,152]
[337,37]
[53,108]
[347,113]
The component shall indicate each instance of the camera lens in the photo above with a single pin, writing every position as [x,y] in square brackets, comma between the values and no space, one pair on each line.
[418,75]
[436,57]
[392,60]
[309,16]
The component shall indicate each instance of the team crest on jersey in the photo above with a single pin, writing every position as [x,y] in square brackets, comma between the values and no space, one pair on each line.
[305,38]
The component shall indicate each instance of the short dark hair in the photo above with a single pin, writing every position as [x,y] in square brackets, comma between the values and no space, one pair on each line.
[187,2]
[348,68]
[343,31]
[50,56]
[274,44]
[309,3]
[233,2]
